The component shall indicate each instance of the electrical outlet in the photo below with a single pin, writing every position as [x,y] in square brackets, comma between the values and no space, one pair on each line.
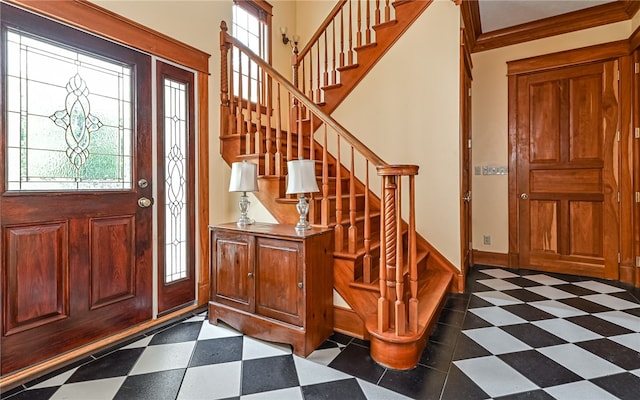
[477,170]
[486,239]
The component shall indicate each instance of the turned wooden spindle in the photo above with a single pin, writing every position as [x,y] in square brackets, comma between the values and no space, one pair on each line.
[367,258]
[278,164]
[339,234]
[353,229]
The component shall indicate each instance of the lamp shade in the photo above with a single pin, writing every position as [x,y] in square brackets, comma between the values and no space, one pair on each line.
[244,177]
[302,177]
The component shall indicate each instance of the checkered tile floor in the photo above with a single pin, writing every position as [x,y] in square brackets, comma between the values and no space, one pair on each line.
[515,335]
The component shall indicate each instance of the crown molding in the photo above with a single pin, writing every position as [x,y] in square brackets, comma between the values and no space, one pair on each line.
[603,14]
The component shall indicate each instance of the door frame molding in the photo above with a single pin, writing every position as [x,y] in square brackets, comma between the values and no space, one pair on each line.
[597,53]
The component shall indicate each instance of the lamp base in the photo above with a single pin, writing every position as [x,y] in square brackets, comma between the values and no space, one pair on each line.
[245,221]
[244,207]
[303,210]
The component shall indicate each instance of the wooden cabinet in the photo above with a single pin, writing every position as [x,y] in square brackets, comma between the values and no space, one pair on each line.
[273,283]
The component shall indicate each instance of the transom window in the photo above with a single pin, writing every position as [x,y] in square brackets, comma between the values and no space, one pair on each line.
[252,26]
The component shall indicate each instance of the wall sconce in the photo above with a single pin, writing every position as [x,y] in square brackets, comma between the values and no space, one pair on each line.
[244,178]
[285,40]
[301,180]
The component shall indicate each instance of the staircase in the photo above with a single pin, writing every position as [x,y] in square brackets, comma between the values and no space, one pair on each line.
[393,280]
[353,37]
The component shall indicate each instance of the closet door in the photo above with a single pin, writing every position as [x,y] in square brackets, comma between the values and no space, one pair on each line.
[567,122]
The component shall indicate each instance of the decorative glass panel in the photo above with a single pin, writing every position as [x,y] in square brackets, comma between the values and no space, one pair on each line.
[175,156]
[69,118]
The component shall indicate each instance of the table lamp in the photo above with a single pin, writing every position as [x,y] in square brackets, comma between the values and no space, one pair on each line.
[244,178]
[301,180]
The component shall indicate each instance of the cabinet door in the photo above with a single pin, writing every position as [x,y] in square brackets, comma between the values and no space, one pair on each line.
[280,280]
[232,270]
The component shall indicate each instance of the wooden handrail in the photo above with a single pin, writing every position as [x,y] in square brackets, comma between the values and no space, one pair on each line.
[284,83]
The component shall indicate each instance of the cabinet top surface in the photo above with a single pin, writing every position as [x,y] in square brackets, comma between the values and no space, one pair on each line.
[271,229]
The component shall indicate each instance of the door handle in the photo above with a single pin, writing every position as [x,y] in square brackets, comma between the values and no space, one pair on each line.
[467,197]
[524,196]
[144,202]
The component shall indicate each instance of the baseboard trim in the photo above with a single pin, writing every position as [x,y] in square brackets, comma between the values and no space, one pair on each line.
[490,258]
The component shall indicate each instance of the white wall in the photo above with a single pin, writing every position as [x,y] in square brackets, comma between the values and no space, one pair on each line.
[490,125]
[407,111]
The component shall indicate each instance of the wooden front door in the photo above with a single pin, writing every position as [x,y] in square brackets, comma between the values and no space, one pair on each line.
[76,240]
[567,150]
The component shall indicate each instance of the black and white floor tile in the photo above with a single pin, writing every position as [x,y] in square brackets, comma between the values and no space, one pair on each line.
[514,335]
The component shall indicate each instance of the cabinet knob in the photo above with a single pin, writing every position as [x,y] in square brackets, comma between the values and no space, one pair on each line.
[250,274]
[300,285]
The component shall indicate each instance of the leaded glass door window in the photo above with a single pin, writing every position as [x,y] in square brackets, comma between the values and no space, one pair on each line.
[69,118]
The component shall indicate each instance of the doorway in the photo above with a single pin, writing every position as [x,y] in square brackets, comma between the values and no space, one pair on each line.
[77,196]
[564,189]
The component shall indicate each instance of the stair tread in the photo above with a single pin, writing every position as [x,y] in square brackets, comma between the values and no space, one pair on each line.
[334,86]
[366,46]
[384,25]
[420,253]
[332,196]
[347,67]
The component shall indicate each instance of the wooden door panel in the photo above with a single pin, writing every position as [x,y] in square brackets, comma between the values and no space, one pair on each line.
[113,262]
[544,226]
[565,181]
[279,267]
[585,118]
[585,222]
[567,123]
[36,281]
[234,264]
[544,139]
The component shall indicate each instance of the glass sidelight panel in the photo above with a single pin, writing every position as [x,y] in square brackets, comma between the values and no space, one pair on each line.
[175,172]
[69,118]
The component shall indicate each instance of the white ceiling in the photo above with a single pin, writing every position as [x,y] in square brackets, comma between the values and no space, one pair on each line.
[498,14]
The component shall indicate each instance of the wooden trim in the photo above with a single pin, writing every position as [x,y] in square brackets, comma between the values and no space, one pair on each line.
[561,59]
[634,39]
[10,381]
[603,14]
[626,207]
[635,167]
[471,21]
[490,258]
[348,322]
[92,18]
[512,112]
[202,220]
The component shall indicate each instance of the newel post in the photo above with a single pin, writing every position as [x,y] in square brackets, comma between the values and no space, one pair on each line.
[392,307]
